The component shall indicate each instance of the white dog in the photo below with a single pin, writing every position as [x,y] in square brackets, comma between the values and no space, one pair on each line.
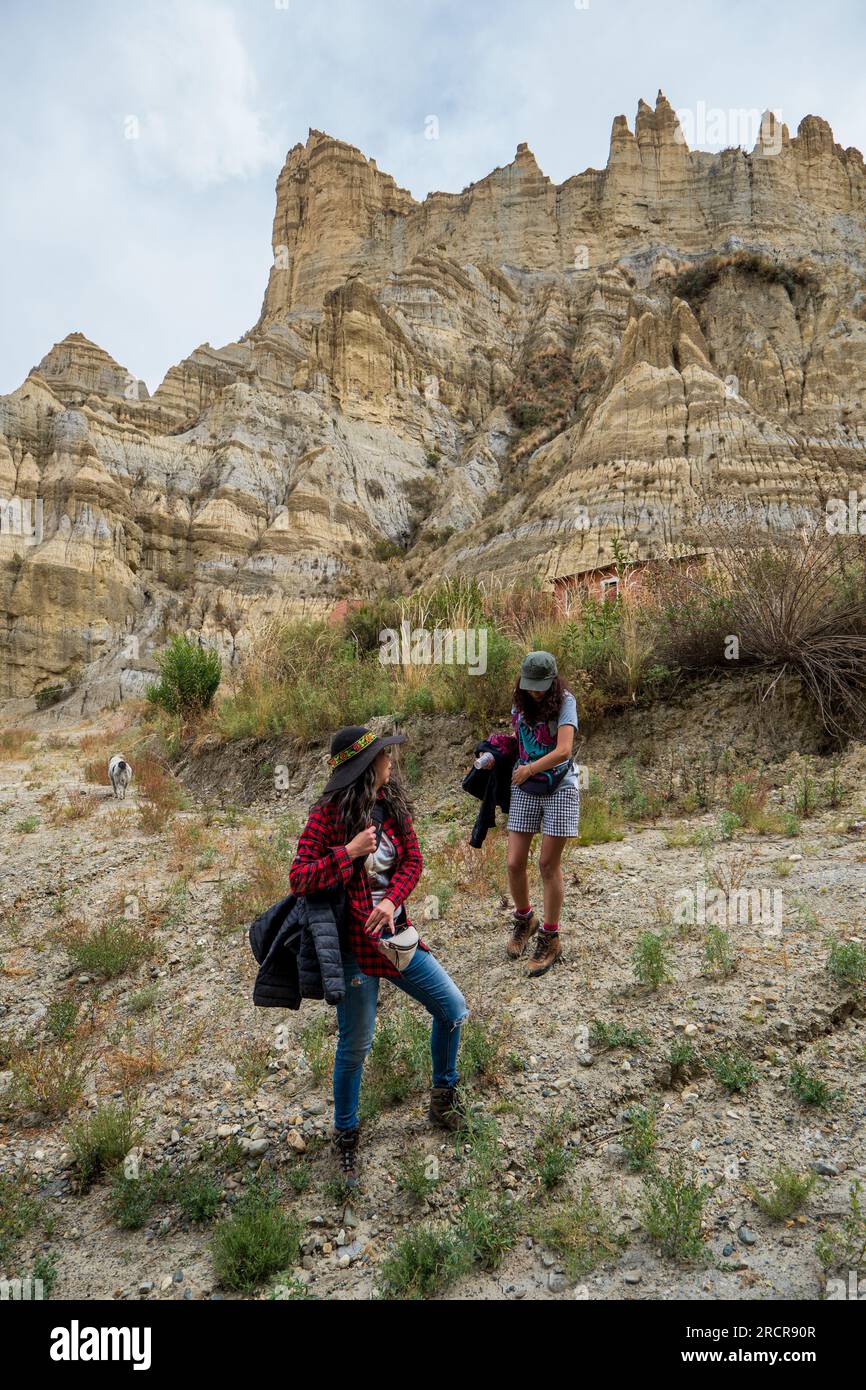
[119,775]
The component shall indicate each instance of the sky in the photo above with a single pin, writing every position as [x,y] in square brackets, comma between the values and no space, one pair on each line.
[140,143]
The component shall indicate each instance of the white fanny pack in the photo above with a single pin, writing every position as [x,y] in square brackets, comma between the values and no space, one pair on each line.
[400,947]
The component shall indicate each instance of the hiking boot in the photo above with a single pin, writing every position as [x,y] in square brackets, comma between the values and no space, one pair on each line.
[548,950]
[345,1146]
[446,1108]
[522,928]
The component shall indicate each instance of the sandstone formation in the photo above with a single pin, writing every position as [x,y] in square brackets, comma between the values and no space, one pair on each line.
[487,382]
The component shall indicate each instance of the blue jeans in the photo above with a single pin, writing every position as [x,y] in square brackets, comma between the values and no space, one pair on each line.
[423,979]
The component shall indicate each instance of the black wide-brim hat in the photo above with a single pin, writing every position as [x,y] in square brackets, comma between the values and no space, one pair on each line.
[352,751]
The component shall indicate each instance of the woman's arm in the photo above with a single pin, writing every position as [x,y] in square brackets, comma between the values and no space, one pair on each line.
[319,864]
[562,751]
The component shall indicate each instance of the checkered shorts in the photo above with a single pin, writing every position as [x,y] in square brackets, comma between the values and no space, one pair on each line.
[557,813]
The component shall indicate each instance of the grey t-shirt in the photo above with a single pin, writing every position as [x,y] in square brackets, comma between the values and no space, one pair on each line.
[537,740]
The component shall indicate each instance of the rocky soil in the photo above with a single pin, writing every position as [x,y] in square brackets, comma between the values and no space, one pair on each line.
[206,1066]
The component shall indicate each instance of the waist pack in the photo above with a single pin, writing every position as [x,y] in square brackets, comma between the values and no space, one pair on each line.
[542,783]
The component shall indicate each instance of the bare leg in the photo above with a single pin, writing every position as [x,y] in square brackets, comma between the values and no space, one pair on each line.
[519,845]
[551,875]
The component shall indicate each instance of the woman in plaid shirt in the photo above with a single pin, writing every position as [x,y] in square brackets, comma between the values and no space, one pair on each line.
[338,849]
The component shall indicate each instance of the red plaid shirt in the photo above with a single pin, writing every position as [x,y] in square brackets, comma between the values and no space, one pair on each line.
[321,862]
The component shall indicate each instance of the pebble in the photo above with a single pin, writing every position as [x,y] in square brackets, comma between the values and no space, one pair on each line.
[632,1276]
[747,1236]
[296,1141]
[825,1169]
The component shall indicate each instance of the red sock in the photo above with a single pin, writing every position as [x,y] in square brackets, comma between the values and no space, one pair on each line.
[523,911]
[550,926]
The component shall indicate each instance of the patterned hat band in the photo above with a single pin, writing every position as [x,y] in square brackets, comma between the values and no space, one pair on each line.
[357,747]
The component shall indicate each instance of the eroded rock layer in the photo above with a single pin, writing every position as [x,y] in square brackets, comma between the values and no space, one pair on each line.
[508,378]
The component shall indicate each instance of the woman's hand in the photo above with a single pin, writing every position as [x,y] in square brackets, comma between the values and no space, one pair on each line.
[363,843]
[520,774]
[381,919]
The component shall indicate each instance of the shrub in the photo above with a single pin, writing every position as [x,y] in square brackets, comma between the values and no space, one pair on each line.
[50,1078]
[189,677]
[651,960]
[422,1262]
[110,949]
[101,1140]
[19,1210]
[811,1089]
[553,1157]
[640,1138]
[846,963]
[610,1035]
[720,957]
[398,1064]
[49,695]
[844,1246]
[732,1069]
[671,1210]
[580,1231]
[786,1193]
[257,1240]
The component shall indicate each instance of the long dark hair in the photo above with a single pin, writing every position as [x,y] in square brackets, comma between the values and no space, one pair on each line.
[355,803]
[534,711]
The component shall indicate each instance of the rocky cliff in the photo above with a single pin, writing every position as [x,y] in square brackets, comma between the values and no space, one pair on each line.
[484,382]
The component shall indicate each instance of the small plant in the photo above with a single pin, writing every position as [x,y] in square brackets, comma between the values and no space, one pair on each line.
[61,1018]
[486,1228]
[49,695]
[198,1194]
[110,949]
[682,1058]
[805,797]
[720,959]
[189,677]
[728,823]
[289,1288]
[671,1210]
[101,1140]
[26,826]
[786,1192]
[252,1067]
[610,1035]
[417,1174]
[398,1064]
[480,1048]
[810,1089]
[50,1079]
[45,1270]
[257,1240]
[846,963]
[422,1262]
[640,1139]
[144,1000]
[732,1069]
[318,1044]
[299,1178]
[581,1232]
[553,1157]
[19,1210]
[844,1246]
[650,959]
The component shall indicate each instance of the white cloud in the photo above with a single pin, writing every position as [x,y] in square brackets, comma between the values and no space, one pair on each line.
[190,85]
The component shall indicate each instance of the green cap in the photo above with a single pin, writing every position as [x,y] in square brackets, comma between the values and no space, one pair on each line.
[538,671]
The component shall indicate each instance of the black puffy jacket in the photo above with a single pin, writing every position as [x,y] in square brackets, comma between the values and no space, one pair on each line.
[297,945]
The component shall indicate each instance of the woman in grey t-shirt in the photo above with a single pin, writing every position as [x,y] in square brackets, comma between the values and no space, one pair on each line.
[544,718]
